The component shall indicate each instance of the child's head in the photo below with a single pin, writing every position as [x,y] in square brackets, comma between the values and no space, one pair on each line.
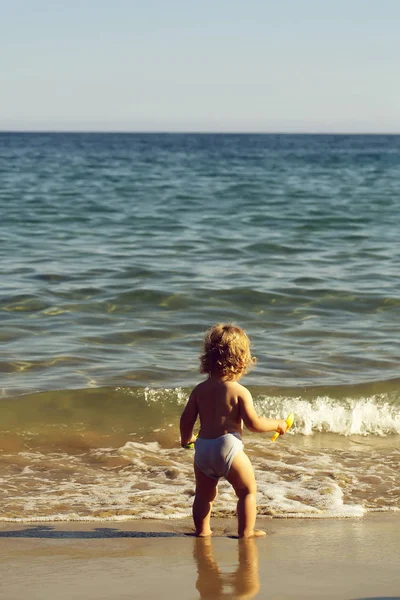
[226,352]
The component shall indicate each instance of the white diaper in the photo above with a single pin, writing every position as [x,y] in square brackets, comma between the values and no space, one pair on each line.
[214,457]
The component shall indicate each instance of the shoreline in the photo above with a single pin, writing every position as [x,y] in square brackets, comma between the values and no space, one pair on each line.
[299,558]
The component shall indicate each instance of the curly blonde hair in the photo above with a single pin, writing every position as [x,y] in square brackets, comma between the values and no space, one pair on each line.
[226,352]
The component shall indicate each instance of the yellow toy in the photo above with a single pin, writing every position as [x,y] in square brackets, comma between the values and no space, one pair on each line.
[289,422]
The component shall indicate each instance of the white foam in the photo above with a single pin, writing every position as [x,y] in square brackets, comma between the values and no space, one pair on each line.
[158,395]
[158,483]
[374,415]
[293,490]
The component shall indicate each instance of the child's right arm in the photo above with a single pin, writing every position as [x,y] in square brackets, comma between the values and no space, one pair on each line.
[253,421]
[187,421]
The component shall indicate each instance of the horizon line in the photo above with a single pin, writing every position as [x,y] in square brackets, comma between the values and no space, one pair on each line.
[194,132]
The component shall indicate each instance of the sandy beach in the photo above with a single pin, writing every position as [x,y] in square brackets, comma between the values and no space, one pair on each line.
[300,558]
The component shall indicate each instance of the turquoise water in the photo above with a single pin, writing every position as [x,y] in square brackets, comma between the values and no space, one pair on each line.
[118,251]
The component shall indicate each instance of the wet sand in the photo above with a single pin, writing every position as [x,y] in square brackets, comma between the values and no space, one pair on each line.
[335,558]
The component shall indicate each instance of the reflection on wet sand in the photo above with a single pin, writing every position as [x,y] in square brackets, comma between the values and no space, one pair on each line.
[243,583]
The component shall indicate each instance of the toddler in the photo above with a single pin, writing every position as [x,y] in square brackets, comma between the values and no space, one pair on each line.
[223,405]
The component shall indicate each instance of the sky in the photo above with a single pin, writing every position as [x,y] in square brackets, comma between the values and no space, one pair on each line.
[207,65]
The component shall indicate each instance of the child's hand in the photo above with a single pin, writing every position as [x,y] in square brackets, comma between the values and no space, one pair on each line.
[282,427]
[191,441]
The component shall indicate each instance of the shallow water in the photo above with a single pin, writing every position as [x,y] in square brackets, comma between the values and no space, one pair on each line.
[114,454]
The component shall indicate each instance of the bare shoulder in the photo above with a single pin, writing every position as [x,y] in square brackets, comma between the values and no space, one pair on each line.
[239,390]
[200,389]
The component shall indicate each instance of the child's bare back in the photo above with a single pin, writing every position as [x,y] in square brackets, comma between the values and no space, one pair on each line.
[218,404]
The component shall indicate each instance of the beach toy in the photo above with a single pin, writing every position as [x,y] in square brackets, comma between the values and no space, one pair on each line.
[289,422]
[190,446]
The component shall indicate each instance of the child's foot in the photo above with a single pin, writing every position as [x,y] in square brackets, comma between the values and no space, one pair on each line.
[202,534]
[254,533]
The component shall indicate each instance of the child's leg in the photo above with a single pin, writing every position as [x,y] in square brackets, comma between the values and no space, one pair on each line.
[206,491]
[241,477]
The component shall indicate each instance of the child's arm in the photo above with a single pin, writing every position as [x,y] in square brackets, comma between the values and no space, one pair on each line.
[188,419]
[255,423]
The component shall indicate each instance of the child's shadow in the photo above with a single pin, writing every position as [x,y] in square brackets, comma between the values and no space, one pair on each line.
[44,531]
[242,583]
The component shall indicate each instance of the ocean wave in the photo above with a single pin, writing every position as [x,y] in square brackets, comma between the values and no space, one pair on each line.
[371,409]
[374,415]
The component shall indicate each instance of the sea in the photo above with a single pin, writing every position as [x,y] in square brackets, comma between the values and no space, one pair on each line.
[118,251]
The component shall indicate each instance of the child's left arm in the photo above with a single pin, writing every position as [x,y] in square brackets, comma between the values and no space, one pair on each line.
[188,419]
